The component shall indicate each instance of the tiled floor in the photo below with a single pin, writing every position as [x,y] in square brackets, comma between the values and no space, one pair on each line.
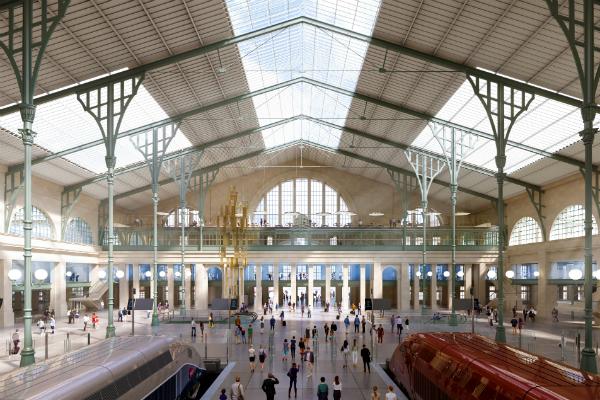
[539,337]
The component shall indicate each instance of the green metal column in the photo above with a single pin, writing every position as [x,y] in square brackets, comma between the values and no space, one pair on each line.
[17,40]
[27,134]
[588,113]
[110,180]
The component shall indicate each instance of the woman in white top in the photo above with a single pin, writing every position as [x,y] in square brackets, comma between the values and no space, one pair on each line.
[337,388]
[354,353]
[252,357]
[390,395]
[237,389]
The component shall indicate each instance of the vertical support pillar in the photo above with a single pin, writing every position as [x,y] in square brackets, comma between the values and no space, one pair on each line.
[433,285]
[416,287]
[294,293]
[58,296]
[468,281]
[377,279]
[123,288]
[201,292]
[363,285]
[276,283]
[545,301]
[327,296]
[258,295]
[135,278]
[403,287]
[309,291]
[186,274]
[480,280]
[7,316]
[171,286]
[345,287]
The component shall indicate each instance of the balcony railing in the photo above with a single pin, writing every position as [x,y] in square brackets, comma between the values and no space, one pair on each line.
[334,239]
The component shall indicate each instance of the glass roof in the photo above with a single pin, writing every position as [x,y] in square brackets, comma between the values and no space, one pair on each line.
[547,125]
[62,124]
[302,51]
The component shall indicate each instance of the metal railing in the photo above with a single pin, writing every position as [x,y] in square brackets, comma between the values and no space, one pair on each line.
[278,238]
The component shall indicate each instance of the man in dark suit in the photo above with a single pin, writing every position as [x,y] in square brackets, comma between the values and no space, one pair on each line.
[268,386]
[365,354]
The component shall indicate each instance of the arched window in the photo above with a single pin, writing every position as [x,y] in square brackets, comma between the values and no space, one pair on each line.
[41,226]
[415,218]
[78,231]
[525,231]
[302,202]
[570,223]
[189,216]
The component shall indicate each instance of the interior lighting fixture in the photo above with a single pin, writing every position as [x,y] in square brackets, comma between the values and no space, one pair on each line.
[460,274]
[492,274]
[446,274]
[102,274]
[575,274]
[177,274]
[188,273]
[376,214]
[596,274]
[418,274]
[119,274]
[510,274]
[429,273]
[14,274]
[69,274]
[536,273]
[462,213]
[162,274]
[148,274]
[322,214]
[40,274]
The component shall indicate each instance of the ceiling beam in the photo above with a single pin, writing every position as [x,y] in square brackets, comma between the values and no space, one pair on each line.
[402,146]
[182,152]
[282,85]
[374,41]
[310,144]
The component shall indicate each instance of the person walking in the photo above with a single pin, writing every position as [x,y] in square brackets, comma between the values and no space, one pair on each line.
[309,356]
[286,350]
[354,353]
[308,313]
[262,356]
[356,324]
[380,334]
[514,322]
[268,386]
[293,348]
[15,340]
[337,388]
[326,329]
[322,390]
[392,322]
[293,375]
[363,323]
[193,328]
[262,325]
[398,325]
[272,322]
[302,347]
[211,322]
[375,394]
[250,333]
[346,352]
[52,324]
[237,390]
[252,358]
[365,354]
[390,395]
[223,395]
[202,328]
[243,333]
[86,321]
[347,323]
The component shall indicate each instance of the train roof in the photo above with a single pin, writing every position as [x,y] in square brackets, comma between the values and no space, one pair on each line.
[101,361]
[522,368]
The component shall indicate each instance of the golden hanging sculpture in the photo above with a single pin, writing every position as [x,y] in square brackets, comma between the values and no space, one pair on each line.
[233,224]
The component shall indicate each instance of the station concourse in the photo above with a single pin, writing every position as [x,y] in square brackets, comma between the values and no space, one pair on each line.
[240,159]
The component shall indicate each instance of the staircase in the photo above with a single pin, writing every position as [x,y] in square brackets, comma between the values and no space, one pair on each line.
[92,301]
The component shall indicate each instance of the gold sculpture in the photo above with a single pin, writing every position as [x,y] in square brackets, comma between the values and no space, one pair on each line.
[233,224]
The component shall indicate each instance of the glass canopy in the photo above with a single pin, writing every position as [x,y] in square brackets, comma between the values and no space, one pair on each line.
[302,51]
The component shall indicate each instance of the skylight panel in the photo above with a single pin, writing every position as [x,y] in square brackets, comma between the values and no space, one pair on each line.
[62,124]
[302,51]
[547,125]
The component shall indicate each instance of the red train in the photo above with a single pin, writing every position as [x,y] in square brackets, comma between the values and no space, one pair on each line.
[443,366]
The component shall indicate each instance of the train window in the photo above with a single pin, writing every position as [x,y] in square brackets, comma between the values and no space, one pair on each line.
[426,389]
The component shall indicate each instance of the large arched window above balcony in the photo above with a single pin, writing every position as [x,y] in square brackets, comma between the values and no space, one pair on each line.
[525,231]
[41,227]
[570,223]
[189,216]
[78,231]
[302,202]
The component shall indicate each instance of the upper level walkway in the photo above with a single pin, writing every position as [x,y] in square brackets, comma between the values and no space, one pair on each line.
[310,239]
